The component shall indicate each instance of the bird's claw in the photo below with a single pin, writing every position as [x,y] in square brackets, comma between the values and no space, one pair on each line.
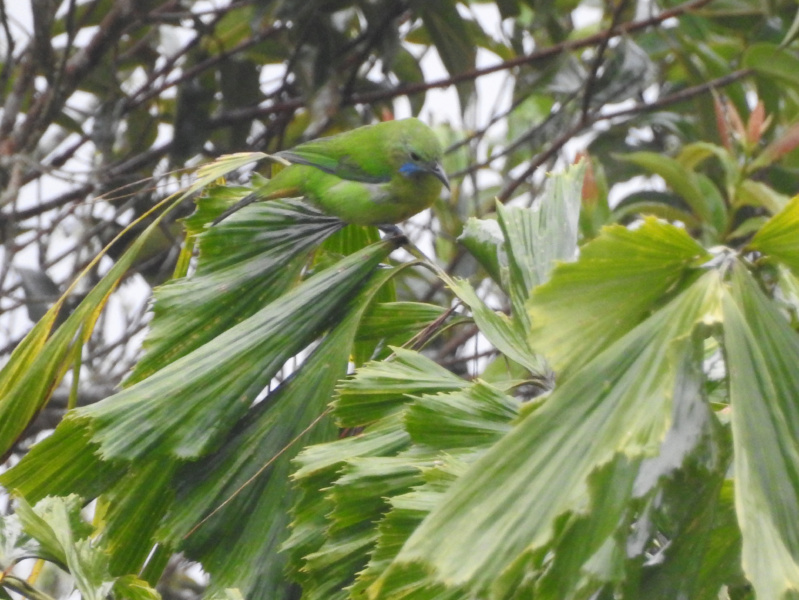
[394,232]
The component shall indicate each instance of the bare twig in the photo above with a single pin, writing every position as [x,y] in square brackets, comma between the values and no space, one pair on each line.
[541,55]
[8,63]
[559,142]
[590,83]
[292,104]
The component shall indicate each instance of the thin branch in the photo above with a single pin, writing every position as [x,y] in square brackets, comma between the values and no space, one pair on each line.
[255,112]
[561,140]
[22,88]
[542,55]
[459,340]
[61,200]
[591,82]
[8,63]
[539,129]
[682,95]
[541,158]
[50,102]
[147,91]
[371,39]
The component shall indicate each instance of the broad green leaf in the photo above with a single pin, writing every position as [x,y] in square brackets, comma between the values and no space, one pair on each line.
[773,62]
[63,463]
[619,278]
[186,408]
[130,587]
[778,237]
[506,334]
[66,463]
[762,354]
[408,70]
[319,466]
[55,523]
[792,32]
[484,241]
[477,415]
[689,498]
[692,155]
[88,564]
[607,523]
[39,362]
[693,430]
[348,240]
[406,513]
[664,205]
[747,228]
[145,492]
[245,262]
[388,324]
[35,524]
[17,409]
[715,202]
[385,464]
[522,258]
[247,481]
[538,237]
[392,320]
[385,437]
[705,548]
[760,195]
[696,189]
[618,403]
[359,493]
[358,498]
[133,507]
[589,551]
[380,388]
[451,37]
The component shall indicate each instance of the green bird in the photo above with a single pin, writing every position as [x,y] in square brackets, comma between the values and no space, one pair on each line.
[378,174]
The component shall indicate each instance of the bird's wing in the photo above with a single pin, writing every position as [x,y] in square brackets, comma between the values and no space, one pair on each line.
[329,159]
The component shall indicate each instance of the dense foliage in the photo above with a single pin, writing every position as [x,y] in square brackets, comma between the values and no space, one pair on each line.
[590,390]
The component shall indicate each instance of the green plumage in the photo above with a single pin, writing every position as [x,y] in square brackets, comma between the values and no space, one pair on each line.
[375,175]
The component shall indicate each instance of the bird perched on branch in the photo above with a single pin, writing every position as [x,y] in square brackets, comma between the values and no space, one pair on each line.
[378,174]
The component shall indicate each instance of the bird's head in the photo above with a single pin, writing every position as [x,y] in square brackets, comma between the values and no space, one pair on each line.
[420,153]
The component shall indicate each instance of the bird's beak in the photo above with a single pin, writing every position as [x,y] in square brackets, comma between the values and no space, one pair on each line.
[438,171]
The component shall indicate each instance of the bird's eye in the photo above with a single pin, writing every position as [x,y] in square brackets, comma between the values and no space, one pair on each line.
[415,156]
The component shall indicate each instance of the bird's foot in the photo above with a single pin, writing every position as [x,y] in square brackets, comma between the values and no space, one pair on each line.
[394,232]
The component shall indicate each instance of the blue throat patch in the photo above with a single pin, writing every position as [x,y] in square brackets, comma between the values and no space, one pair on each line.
[410,168]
